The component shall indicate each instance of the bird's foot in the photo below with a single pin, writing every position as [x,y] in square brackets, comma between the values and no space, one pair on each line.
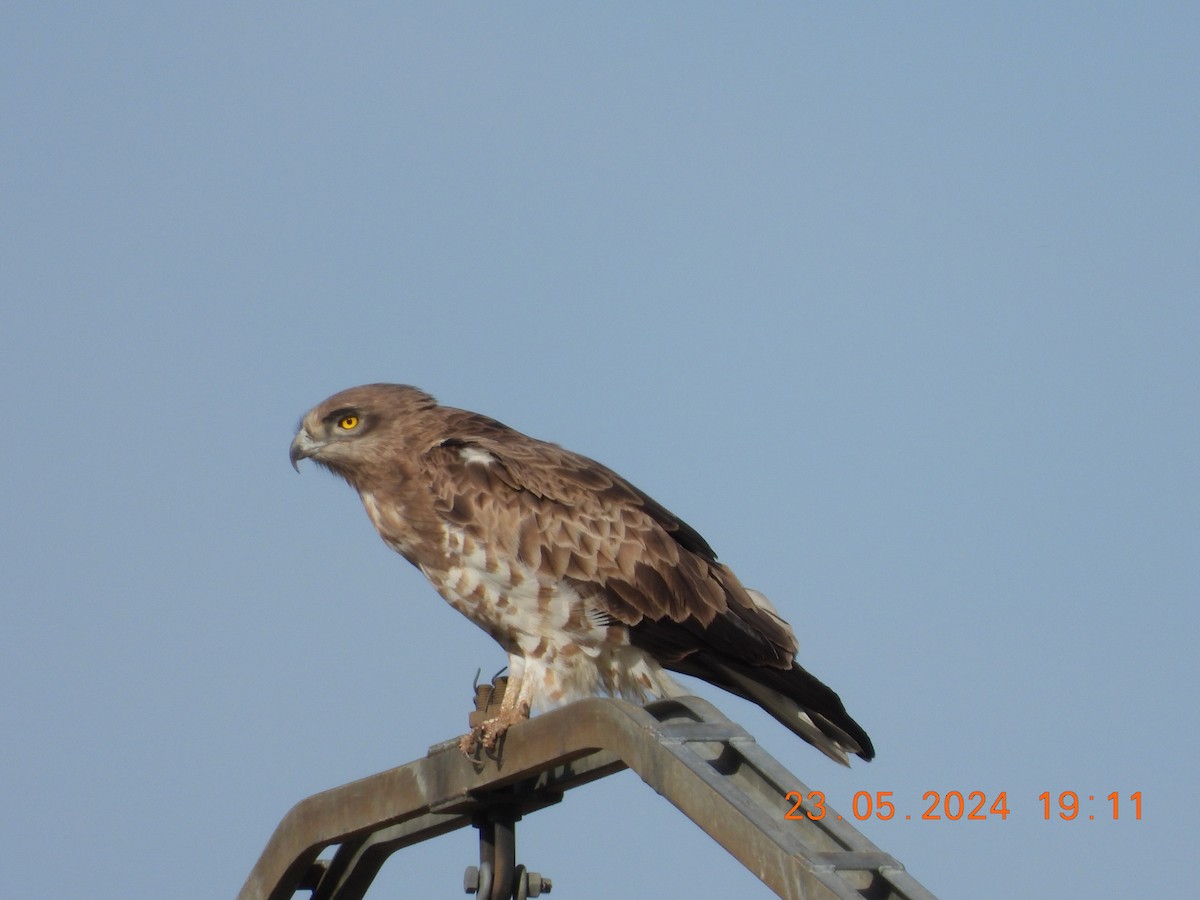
[488,735]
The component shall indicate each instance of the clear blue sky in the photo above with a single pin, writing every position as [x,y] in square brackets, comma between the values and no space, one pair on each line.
[897,304]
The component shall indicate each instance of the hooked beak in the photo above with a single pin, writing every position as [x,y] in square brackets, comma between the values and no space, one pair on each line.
[303,446]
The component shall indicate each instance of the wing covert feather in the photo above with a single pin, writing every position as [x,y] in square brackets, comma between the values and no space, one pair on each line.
[572,517]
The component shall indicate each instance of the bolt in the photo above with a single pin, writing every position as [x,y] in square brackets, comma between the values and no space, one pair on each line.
[539,884]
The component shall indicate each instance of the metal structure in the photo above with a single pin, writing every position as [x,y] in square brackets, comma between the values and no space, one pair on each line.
[710,768]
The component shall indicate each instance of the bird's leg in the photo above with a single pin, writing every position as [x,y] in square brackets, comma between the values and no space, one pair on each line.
[514,708]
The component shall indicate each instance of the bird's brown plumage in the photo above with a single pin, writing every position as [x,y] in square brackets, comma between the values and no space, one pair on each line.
[587,582]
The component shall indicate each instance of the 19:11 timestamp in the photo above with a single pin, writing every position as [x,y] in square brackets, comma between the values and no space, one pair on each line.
[1068,806]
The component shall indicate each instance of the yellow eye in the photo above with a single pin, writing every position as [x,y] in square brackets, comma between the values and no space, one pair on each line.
[348,423]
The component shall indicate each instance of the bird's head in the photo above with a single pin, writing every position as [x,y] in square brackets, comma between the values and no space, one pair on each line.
[357,429]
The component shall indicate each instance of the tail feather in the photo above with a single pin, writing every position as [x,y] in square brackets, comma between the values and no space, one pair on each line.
[800,701]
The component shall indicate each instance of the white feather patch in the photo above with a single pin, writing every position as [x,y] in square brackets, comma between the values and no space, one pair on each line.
[475,455]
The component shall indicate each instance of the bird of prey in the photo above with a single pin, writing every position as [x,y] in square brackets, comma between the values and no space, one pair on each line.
[589,585]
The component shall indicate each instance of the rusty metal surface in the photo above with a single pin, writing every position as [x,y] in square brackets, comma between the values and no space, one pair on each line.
[704,764]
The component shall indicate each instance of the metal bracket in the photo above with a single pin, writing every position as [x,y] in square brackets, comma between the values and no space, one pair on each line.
[704,764]
[498,877]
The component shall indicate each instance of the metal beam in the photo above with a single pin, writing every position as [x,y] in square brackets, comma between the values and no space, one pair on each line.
[704,764]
